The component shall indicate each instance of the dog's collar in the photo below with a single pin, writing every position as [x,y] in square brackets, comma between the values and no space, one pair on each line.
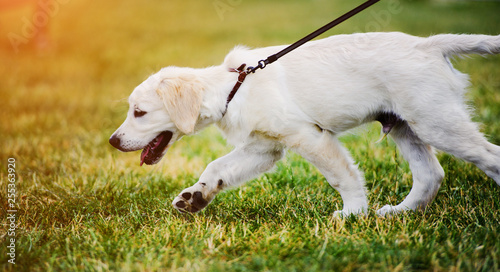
[242,75]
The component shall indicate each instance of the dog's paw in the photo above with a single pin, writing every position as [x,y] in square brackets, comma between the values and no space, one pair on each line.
[340,214]
[389,210]
[190,200]
[386,210]
[345,214]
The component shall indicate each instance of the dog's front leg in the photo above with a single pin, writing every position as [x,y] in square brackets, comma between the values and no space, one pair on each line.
[231,170]
[322,149]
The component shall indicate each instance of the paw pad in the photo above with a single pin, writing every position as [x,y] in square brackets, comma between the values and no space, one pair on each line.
[190,202]
[186,196]
[181,204]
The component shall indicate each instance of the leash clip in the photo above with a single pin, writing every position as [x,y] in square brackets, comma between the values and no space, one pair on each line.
[261,65]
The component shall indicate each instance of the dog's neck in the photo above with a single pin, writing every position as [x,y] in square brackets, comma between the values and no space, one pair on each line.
[218,81]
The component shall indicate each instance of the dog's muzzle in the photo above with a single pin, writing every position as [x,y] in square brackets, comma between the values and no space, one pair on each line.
[152,152]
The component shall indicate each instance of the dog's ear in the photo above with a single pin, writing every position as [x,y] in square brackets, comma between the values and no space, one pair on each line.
[182,96]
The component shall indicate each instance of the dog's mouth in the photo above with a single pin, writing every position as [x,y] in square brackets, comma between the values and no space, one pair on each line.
[155,150]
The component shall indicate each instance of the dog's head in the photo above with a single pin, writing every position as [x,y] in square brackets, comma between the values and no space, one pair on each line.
[162,109]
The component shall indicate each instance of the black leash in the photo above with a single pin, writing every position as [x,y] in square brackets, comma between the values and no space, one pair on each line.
[261,64]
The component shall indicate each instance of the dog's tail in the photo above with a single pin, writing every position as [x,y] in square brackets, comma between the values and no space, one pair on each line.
[452,44]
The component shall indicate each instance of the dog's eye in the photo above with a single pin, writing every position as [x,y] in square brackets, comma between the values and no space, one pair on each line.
[139,113]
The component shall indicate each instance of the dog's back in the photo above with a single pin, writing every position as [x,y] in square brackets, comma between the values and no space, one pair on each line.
[367,73]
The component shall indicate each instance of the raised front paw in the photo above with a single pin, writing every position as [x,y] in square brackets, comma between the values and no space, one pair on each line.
[191,200]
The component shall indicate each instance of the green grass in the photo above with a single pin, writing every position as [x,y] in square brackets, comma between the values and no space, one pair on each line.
[82,205]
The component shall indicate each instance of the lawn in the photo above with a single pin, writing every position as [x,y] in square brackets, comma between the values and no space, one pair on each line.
[81,205]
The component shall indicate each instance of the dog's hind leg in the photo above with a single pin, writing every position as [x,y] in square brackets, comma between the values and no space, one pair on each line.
[321,148]
[426,170]
[456,134]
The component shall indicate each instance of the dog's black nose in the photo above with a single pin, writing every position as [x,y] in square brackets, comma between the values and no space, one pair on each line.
[115,142]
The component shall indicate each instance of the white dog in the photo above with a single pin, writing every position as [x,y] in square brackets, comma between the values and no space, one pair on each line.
[304,100]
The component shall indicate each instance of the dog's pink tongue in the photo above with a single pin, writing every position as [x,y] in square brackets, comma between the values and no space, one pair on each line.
[144,154]
[148,148]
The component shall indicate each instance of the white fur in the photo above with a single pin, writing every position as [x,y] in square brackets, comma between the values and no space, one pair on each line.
[304,100]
